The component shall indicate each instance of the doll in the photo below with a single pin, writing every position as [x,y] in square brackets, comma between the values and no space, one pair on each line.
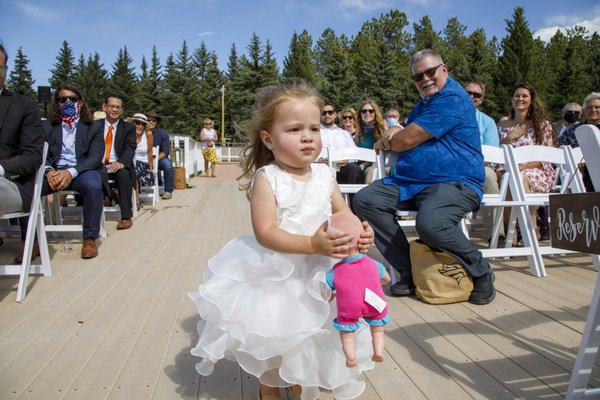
[357,283]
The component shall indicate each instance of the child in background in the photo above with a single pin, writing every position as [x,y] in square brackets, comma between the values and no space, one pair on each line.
[264,302]
[357,283]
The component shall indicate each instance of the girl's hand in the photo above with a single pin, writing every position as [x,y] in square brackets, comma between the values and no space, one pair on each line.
[366,238]
[331,244]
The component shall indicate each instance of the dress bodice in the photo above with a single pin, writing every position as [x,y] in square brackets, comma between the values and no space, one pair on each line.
[301,206]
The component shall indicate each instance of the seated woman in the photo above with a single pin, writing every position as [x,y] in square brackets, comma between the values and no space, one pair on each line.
[144,158]
[527,126]
[371,127]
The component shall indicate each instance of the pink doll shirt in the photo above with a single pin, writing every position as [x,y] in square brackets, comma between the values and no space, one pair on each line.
[350,278]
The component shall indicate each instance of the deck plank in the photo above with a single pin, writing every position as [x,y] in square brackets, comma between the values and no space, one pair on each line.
[121,326]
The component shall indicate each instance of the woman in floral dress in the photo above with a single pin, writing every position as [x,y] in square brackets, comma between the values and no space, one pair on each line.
[528,126]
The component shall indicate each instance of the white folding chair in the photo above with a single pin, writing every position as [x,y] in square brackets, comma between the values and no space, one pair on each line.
[34,226]
[151,193]
[59,212]
[519,211]
[353,154]
[525,154]
[588,137]
[574,157]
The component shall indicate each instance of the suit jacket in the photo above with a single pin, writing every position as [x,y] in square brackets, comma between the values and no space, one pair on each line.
[124,143]
[89,147]
[21,142]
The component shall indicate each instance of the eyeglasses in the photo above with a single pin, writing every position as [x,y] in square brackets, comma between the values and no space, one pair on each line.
[367,110]
[64,99]
[113,107]
[475,94]
[347,117]
[429,72]
[328,112]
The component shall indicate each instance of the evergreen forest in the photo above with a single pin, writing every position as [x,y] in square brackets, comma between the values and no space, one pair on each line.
[373,64]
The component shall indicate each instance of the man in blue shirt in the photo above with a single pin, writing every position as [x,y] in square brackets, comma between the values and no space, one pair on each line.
[439,173]
[488,132]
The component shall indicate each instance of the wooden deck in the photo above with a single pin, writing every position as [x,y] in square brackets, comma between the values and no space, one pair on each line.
[120,326]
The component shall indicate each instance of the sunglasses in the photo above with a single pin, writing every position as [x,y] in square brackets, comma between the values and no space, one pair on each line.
[64,99]
[152,119]
[475,94]
[429,72]
[367,110]
[140,123]
[328,112]
[347,117]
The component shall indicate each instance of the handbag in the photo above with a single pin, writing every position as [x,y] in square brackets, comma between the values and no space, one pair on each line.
[439,277]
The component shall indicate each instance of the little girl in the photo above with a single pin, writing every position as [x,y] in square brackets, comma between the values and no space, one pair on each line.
[264,302]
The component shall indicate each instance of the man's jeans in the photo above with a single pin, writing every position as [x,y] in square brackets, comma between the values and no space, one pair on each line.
[166,166]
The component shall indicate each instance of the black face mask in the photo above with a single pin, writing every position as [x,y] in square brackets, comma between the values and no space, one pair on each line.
[571,116]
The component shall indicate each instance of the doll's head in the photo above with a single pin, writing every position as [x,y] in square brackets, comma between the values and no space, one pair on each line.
[347,222]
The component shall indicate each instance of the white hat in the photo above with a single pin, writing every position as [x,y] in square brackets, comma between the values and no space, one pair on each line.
[138,117]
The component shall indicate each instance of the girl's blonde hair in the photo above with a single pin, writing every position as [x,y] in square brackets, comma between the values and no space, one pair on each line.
[378,123]
[208,121]
[256,154]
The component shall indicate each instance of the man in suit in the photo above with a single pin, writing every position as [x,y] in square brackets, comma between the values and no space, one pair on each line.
[74,160]
[119,139]
[21,144]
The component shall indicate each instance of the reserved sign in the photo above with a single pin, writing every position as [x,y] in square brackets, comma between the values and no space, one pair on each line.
[575,222]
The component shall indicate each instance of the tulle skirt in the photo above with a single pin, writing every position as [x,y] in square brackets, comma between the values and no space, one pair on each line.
[270,313]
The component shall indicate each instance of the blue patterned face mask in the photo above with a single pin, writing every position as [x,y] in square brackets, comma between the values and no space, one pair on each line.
[69,112]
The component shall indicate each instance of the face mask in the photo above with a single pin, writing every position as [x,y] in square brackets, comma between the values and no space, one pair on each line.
[69,112]
[392,122]
[571,116]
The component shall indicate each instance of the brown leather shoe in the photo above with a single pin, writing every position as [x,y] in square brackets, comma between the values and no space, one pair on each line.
[125,223]
[35,252]
[89,249]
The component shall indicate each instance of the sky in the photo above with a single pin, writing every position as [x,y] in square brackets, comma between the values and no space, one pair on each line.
[39,27]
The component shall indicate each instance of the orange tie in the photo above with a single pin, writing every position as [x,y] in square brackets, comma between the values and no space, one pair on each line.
[108,142]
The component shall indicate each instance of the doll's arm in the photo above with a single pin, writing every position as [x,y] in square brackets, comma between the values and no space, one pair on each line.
[383,275]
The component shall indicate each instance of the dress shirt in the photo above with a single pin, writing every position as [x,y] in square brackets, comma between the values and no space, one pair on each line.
[113,155]
[68,159]
[335,137]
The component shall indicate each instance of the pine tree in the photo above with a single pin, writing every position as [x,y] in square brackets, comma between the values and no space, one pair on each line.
[269,65]
[337,82]
[91,78]
[250,81]
[481,63]
[123,81]
[425,37]
[299,63]
[456,50]
[64,67]
[515,63]
[20,79]
[571,76]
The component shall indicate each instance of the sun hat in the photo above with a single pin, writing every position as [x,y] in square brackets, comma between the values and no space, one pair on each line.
[138,117]
[153,114]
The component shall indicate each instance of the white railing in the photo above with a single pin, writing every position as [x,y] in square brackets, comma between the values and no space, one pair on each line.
[186,152]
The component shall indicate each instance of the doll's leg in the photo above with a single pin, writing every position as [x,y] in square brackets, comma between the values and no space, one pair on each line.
[378,335]
[348,345]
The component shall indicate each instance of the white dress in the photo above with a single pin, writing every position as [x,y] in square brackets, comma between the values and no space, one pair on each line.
[270,312]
